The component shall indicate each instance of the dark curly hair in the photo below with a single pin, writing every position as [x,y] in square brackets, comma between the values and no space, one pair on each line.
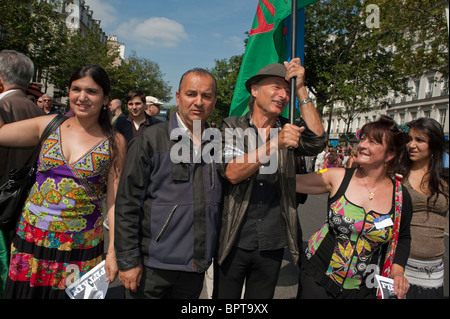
[386,131]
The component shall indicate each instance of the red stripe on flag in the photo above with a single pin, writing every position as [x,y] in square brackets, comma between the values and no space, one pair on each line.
[263,26]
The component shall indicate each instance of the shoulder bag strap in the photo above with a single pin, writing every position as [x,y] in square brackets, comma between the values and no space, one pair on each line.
[53,125]
[390,253]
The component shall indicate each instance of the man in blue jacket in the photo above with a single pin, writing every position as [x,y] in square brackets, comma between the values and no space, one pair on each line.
[168,203]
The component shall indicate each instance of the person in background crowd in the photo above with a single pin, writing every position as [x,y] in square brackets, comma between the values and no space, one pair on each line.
[80,164]
[351,160]
[368,221]
[48,105]
[40,102]
[153,106]
[168,209]
[115,106]
[346,154]
[332,159]
[429,191]
[138,120]
[320,160]
[16,72]
[259,217]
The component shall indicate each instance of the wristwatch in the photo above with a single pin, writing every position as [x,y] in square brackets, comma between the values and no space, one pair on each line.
[305,101]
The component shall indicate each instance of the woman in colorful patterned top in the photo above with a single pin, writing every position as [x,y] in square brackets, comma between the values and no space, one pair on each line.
[368,220]
[428,187]
[59,235]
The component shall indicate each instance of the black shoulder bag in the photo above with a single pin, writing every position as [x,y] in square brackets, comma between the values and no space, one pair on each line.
[15,191]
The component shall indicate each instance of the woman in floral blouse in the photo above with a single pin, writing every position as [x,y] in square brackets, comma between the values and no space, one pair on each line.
[59,235]
[368,220]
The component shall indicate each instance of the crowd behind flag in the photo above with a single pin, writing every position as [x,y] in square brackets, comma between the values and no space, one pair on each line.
[268,42]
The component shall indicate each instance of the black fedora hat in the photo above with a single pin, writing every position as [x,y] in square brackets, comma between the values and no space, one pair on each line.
[274,69]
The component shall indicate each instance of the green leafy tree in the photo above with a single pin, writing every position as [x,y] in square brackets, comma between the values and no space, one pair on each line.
[226,73]
[81,49]
[142,74]
[33,28]
[348,61]
[418,30]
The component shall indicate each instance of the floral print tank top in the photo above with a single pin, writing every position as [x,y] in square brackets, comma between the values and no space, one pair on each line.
[68,197]
[357,240]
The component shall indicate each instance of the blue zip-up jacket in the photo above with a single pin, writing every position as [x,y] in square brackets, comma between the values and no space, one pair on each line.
[166,213]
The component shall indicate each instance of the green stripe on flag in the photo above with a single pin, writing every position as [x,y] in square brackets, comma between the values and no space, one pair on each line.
[265,45]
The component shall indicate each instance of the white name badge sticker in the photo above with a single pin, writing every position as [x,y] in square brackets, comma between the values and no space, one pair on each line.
[383,221]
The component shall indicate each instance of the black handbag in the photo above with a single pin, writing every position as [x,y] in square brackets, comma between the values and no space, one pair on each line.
[15,191]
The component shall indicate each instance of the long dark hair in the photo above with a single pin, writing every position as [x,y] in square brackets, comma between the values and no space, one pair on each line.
[396,139]
[99,75]
[436,141]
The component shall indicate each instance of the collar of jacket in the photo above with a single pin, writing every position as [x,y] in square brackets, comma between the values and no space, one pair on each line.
[175,130]
[249,114]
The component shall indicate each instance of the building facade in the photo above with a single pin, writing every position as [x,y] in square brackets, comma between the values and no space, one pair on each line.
[429,98]
[78,17]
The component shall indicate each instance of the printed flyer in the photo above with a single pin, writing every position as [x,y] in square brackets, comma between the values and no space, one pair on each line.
[92,285]
[386,286]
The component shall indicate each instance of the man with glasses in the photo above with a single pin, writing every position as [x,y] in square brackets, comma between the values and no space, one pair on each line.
[40,103]
[153,106]
[48,105]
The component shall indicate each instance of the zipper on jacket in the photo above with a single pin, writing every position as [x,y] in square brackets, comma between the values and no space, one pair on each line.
[212,176]
[166,224]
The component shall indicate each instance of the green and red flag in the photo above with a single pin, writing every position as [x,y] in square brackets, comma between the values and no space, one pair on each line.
[268,42]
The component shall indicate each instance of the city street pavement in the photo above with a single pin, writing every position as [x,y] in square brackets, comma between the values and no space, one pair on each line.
[312,216]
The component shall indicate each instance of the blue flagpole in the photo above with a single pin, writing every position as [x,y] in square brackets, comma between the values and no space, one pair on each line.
[293,55]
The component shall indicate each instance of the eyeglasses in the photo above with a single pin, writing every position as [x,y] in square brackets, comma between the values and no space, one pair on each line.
[46,100]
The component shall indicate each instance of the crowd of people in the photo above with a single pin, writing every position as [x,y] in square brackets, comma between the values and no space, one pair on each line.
[178,199]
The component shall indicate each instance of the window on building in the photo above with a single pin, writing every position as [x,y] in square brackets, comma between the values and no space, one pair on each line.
[444,86]
[429,90]
[416,90]
[442,116]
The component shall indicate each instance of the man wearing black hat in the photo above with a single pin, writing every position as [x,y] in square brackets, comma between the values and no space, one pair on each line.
[259,217]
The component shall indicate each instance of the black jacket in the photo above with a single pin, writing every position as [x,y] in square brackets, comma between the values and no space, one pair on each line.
[237,197]
[125,126]
[167,212]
